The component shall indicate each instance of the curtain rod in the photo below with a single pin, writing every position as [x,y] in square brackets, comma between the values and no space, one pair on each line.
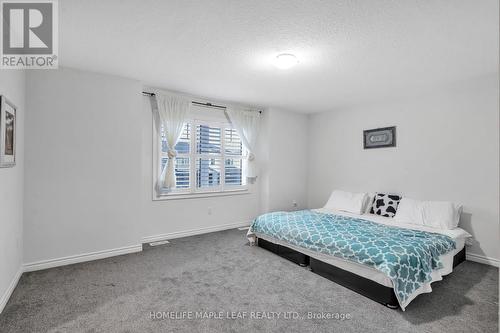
[150,94]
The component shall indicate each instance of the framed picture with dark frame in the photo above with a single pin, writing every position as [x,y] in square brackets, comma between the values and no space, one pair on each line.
[7,133]
[379,137]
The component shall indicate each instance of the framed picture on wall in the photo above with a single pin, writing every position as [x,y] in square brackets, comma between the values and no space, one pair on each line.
[379,137]
[7,133]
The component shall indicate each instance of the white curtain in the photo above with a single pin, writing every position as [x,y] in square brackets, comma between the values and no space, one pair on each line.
[172,114]
[247,124]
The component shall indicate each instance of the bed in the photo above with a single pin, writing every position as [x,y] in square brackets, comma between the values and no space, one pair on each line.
[389,262]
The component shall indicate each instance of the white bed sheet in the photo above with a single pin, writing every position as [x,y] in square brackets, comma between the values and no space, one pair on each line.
[458,235]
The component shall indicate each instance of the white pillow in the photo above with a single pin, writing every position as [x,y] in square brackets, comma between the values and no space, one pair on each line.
[368,202]
[434,214]
[410,211]
[442,214]
[346,201]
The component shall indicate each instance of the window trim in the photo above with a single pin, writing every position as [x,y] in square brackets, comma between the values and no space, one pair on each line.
[192,192]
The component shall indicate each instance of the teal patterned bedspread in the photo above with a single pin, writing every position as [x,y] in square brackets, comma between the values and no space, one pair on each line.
[406,256]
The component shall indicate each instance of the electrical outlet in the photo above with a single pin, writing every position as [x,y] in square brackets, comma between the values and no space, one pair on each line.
[209,210]
[294,203]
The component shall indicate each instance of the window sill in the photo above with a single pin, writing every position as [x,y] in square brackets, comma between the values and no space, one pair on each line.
[180,196]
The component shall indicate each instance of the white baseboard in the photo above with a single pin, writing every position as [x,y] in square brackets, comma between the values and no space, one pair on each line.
[44,264]
[194,232]
[6,295]
[483,259]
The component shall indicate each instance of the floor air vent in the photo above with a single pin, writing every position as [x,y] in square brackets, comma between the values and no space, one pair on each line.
[159,243]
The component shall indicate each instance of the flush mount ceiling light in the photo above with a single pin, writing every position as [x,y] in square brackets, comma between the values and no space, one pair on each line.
[285,61]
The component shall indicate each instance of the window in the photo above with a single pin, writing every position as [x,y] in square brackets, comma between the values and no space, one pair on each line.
[209,158]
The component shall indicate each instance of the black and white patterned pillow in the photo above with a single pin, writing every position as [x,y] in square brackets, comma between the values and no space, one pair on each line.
[385,204]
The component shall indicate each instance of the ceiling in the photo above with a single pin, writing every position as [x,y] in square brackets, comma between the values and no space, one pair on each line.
[349,51]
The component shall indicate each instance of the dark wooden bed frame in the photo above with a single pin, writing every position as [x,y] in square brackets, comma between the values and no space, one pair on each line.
[359,284]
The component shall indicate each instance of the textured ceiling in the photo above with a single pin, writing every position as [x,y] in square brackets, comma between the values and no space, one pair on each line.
[349,51]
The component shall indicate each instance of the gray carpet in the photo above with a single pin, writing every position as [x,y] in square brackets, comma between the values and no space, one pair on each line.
[220,272]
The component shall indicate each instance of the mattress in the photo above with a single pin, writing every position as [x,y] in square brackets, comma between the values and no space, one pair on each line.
[458,235]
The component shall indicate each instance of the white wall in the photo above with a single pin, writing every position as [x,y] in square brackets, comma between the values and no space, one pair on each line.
[447,149]
[89,169]
[83,168]
[12,85]
[283,159]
